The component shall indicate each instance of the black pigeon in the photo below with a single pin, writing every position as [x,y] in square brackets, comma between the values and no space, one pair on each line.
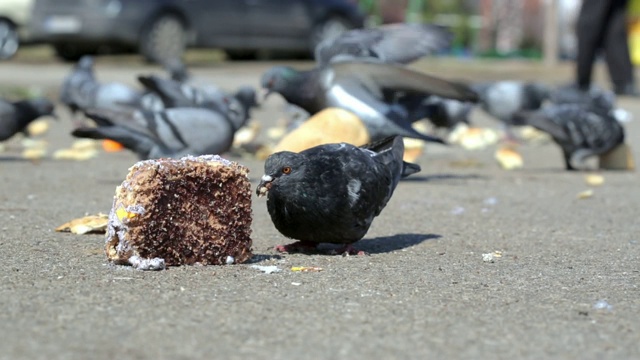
[16,115]
[441,112]
[81,90]
[392,44]
[331,193]
[366,89]
[580,133]
[170,133]
[503,99]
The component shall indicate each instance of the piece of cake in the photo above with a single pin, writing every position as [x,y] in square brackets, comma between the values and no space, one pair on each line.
[187,211]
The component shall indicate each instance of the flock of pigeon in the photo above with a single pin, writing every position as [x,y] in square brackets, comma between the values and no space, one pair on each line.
[330,193]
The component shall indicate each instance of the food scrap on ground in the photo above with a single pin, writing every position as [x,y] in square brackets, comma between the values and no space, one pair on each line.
[96,224]
[306,269]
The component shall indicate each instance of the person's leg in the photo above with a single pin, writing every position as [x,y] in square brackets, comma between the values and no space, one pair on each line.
[592,22]
[616,47]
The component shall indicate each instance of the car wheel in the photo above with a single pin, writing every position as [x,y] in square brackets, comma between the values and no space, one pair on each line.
[9,41]
[328,29]
[164,39]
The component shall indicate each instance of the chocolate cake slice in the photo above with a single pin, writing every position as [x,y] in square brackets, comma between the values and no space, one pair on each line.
[187,211]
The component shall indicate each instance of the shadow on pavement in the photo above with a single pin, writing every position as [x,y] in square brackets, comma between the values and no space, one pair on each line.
[443,177]
[385,244]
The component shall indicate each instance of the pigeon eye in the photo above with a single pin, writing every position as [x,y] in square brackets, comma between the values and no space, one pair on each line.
[286,170]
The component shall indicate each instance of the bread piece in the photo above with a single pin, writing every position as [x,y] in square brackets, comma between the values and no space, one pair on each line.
[186,211]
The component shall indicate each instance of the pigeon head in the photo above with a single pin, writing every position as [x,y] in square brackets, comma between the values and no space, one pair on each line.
[278,79]
[85,63]
[247,97]
[177,70]
[538,92]
[280,169]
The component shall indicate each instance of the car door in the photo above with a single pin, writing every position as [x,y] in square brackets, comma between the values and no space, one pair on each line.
[278,19]
[217,22]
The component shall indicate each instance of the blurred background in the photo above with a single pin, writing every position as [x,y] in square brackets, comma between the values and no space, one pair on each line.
[268,29]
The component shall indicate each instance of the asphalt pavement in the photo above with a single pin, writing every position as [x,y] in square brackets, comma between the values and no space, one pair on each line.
[563,282]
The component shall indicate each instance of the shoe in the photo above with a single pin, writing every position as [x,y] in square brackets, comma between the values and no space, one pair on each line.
[627,90]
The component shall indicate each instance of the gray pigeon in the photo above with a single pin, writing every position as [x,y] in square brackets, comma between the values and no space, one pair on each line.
[595,99]
[177,70]
[392,44]
[170,133]
[16,115]
[172,94]
[366,89]
[503,99]
[580,133]
[331,193]
[81,90]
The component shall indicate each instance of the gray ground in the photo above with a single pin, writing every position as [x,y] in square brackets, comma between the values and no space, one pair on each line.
[424,292]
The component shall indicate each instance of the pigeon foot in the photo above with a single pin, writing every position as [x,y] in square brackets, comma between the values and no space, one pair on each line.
[298,246]
[348,250]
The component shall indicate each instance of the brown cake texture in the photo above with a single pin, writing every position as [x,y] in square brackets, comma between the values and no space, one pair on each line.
[172,212]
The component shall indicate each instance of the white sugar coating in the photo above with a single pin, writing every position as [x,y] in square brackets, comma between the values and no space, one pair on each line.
[147,264]
[201,158]
[135,209]
[208,158]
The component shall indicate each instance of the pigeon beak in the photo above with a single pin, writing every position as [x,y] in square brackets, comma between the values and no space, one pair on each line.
[264,185]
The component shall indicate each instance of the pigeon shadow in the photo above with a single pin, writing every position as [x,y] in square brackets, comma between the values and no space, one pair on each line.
[17,158]
[443,177]
[258,258]
[386,244]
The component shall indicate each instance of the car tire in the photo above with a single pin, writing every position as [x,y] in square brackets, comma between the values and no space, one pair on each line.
[164,38]
[327,29]
[9,41]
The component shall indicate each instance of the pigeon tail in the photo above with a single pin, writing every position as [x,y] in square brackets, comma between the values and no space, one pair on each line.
[129,139]
[409,169]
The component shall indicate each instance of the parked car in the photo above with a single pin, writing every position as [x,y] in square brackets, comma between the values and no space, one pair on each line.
[14,15]
[161,29]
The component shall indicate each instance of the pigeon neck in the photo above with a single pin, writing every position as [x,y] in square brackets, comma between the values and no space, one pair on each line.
[301,89]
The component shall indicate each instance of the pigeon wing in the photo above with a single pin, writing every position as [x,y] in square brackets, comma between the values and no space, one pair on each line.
[383,77]
[391,43]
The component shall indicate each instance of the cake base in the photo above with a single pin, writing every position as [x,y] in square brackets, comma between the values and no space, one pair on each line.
[181,212]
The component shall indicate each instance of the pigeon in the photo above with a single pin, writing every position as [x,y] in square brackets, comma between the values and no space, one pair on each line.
[502,99]
[171,133]
[596,99]
[391,44]
[172,94]
[441,112]
[579,132]
[366,89]
[16,115]
[331,193]
[247,99]
[81,90]
[177,70]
